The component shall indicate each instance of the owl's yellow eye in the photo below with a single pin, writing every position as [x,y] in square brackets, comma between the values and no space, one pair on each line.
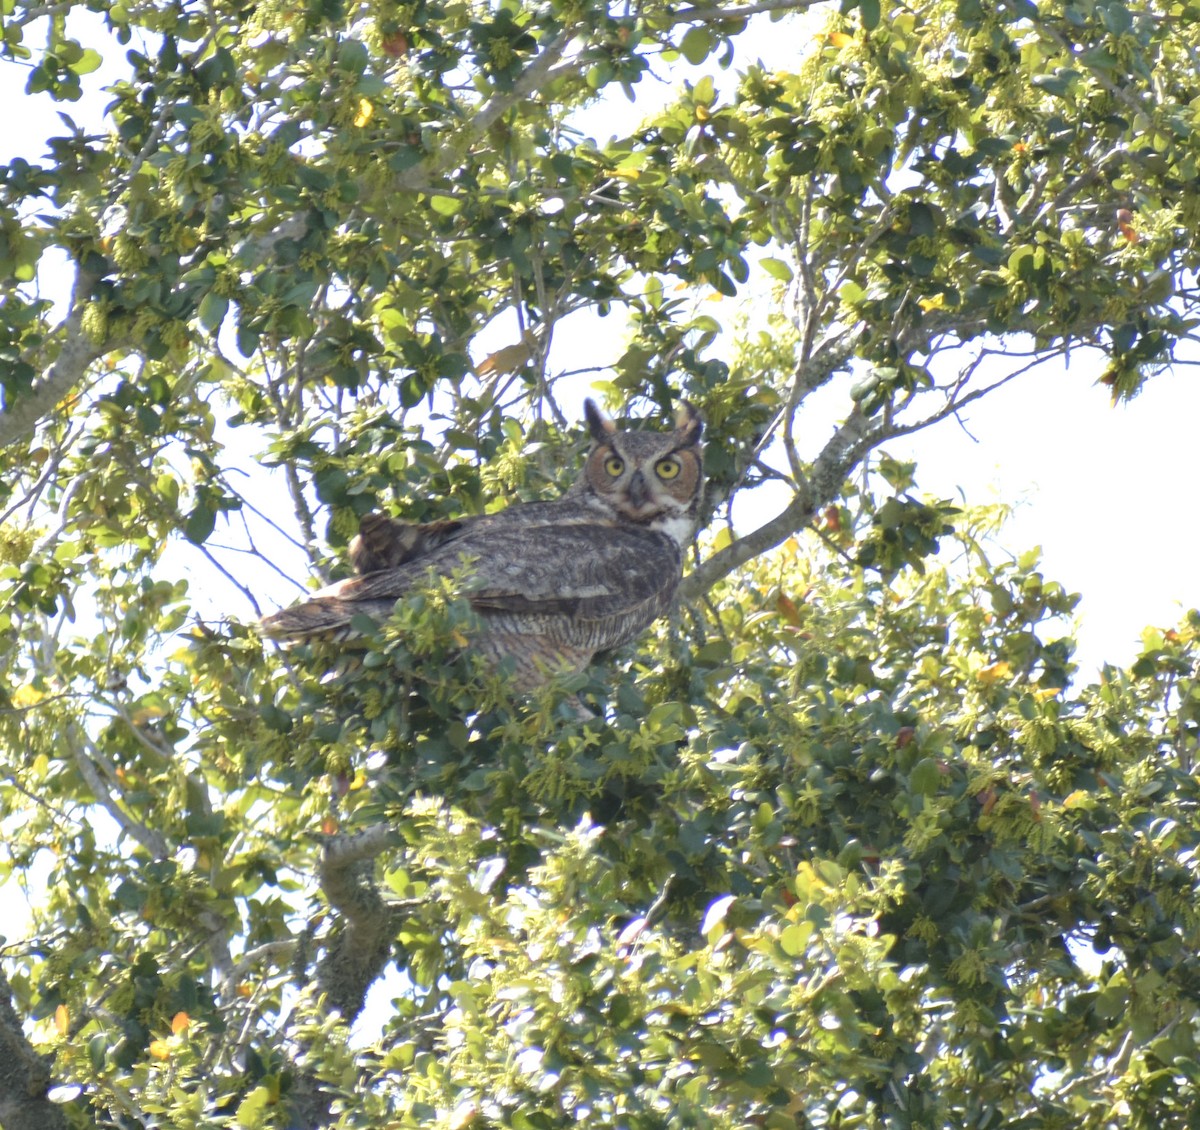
[614,465]
[667,468]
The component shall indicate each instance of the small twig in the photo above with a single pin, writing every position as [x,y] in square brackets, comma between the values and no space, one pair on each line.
[635,929]
[212,560]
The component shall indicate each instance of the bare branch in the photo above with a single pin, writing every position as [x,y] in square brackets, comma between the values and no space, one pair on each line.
[840,455]
[1091,174]
[422,175]
[474,127]
[78,351]
[955,402]
[85,749]
[284,947]
[260,249]
[344,851]
[707,14]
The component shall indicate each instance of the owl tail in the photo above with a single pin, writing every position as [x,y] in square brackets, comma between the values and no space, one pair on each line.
[322,616]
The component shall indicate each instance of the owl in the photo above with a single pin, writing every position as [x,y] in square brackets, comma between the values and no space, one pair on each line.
[551,583]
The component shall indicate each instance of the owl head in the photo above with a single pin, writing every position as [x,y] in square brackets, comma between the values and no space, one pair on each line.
[651,479]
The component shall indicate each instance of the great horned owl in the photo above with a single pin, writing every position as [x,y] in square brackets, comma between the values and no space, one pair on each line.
[552,583]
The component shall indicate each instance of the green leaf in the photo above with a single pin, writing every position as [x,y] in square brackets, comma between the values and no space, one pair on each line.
[697,44]
[795,937]
[213,308]
[1020,262]
[247,341]
[252,1110]
[777,269]
[274,718]
[926,777]
[200,523]
[89,61]
[851,293]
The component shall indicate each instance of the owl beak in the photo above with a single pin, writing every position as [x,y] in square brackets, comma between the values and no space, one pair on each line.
[637,491]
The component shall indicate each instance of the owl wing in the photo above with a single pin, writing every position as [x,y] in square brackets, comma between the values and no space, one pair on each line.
[390,557]
[384,543]
[609,581]
[606,582]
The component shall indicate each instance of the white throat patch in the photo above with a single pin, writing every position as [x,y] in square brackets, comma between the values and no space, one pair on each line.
[678,527]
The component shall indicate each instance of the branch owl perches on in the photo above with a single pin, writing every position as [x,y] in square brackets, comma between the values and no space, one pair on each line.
[552,583]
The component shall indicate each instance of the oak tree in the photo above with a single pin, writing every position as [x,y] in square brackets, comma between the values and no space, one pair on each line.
[848,843]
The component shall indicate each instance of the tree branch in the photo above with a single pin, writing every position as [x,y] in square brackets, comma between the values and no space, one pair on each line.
[419,175]
[706,14]
[77,353]
[24,1075]
[532,79]
[40,11]
[357,956]
[839,456]
[152,840]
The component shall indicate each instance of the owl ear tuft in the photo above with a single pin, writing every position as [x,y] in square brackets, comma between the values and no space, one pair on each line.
[689,424]
[598,423]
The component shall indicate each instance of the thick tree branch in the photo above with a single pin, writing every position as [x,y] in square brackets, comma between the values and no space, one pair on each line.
[359,953]
[24,1075]
[85,750]
[533,78]
[356,956]
[77,353]
[839,456]
[420,175]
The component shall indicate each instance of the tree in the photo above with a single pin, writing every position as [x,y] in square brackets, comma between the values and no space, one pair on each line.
[844,834]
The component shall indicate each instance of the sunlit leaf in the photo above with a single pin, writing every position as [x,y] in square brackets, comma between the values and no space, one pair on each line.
[89,61]
[777,269]
[995,672]
[445,205]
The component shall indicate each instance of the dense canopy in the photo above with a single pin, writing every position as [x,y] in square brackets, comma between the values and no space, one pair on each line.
[848,843]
